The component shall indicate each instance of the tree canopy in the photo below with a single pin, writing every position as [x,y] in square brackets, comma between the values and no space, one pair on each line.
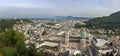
[8,23]
[12,44]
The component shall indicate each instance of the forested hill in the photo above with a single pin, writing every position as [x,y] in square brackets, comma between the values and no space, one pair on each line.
[109,22]
[115,15]
[8,23]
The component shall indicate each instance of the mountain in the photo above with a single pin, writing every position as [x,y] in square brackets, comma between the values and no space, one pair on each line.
[111,22]
[69,18]
[115,15]
[58,18]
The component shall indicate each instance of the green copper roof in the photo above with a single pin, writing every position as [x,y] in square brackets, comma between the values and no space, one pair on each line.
[83,33]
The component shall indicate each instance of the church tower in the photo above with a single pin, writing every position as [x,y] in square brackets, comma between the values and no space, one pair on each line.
[83,39]
[83,33]
[67,38]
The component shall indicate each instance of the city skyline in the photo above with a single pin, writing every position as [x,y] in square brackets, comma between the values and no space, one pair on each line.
[50,8]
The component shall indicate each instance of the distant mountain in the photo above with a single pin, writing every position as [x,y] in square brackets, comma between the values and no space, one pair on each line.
[56,18]
[69,18]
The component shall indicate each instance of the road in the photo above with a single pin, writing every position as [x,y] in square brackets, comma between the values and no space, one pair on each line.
[94,50]
[90,52]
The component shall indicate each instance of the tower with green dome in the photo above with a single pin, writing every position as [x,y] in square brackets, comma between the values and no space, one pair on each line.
[83,33]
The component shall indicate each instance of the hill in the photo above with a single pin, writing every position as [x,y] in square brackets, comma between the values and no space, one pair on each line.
[115,15]
[111,22]
[8,23]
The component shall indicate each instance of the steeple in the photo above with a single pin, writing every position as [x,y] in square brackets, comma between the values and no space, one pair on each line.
[67,37]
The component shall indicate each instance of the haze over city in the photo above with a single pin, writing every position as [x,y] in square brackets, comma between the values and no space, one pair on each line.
[59,27]
[50,8]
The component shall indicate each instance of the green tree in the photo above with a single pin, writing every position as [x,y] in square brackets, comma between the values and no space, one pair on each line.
[40,53]
[78,55]
[13,41]
[21,49]
[12,44]
[3,41]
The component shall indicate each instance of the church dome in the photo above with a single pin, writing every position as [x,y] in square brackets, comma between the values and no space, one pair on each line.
[83,34]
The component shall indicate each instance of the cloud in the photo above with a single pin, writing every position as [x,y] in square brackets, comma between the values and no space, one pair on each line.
[42,8]
[17,5]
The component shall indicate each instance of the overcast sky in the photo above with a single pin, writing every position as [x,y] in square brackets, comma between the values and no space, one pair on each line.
[50,8]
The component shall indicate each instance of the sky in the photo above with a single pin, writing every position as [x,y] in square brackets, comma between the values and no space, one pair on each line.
[50,8]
